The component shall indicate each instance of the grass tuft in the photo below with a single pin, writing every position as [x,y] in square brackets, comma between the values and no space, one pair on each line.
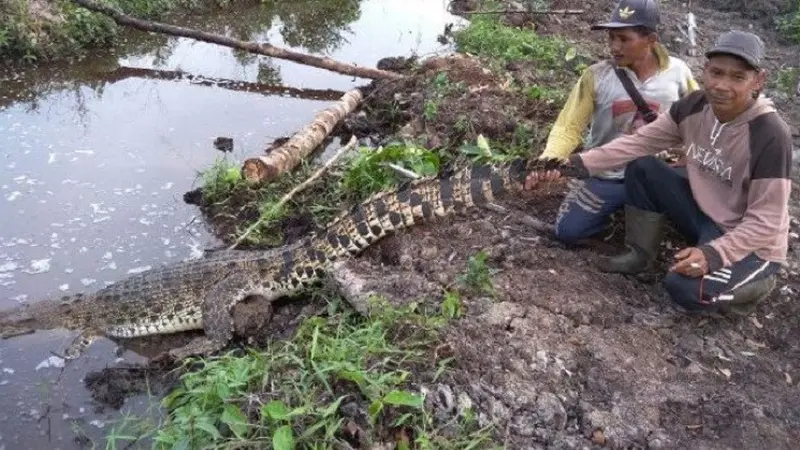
[487,36]
[341,379]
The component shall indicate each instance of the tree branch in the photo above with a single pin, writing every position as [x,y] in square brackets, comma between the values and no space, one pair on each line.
[252,47]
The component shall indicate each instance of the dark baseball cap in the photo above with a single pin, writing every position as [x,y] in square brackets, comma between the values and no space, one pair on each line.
[742,44]
[632,13]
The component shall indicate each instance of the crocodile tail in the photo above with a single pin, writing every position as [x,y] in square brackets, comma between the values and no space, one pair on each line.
[416,202]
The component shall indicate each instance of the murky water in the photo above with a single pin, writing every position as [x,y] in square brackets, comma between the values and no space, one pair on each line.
[96,157]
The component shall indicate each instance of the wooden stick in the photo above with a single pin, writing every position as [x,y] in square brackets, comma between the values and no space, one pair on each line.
[298,188]
[252,47]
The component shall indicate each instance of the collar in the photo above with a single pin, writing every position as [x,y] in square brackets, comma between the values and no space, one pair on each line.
[662,58]
[662,55]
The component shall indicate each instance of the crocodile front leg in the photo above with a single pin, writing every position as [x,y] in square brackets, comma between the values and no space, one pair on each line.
[80,344]
[217,318]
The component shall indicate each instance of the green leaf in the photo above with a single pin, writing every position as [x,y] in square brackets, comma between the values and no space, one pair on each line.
[206,425]
[275,409]
[451,305]
[352,375]
[183,444]
[403,398]
[375,408]
[571,54]
[235,419]
[469,149]
[483,144]
[332,408]
[283,439]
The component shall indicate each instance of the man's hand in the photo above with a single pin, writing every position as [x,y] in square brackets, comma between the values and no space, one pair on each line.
[537,176]
[691,263]
[680,162]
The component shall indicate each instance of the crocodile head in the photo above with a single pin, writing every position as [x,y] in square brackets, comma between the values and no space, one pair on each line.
[43,315]
[16,322]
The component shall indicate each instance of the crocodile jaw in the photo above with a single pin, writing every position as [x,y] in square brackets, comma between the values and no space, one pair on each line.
[162,325]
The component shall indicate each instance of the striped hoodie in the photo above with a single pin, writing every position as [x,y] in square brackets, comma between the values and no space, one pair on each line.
[739,172]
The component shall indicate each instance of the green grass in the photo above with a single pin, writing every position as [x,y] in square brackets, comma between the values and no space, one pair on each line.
[487,36]
[336,375]
[357,176]
[786,80]
[477,278]
[369,170]
[789,23]
[220,180]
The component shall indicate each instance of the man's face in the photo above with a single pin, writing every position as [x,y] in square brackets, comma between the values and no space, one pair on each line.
[730,83]
[627,45]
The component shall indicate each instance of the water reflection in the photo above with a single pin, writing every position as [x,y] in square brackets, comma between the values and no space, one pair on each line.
[96,155]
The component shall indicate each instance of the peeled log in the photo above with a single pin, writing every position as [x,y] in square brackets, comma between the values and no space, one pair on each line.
[252,47]
[286,157]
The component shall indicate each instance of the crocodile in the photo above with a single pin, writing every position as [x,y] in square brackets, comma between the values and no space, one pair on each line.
[200,294]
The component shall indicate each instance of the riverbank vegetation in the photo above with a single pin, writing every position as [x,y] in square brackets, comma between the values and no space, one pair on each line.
[32,30]
[789,23]
[468,107]
[46,30]
[341,381]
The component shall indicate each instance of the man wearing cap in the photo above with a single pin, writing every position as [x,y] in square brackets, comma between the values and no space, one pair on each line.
[600,98]
[733,202]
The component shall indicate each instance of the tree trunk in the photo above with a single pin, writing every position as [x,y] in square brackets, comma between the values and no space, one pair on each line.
[122,73]
[252,47]
[265,168]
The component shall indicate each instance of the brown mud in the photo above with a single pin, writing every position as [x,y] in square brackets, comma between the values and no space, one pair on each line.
[563,355]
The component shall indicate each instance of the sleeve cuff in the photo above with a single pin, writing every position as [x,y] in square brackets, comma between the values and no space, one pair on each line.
[713,259]
[576,168]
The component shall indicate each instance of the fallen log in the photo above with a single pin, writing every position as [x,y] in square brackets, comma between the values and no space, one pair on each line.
[265,168]
[252,47]
[123,73]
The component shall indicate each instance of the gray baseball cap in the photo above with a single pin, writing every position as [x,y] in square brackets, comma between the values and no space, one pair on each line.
[743,44]
[632,13]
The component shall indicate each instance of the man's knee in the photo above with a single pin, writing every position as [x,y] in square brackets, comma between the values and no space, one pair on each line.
[640,167]
[684,291]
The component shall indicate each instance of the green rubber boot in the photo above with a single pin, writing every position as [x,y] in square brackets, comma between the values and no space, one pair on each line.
[642,238]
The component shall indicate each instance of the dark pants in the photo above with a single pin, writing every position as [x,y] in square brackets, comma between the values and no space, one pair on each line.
[652,185]
[587,207]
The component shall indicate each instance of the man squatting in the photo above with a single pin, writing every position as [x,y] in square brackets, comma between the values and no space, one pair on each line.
[732,202]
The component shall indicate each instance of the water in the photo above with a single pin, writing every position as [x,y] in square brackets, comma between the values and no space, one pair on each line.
[96,157]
